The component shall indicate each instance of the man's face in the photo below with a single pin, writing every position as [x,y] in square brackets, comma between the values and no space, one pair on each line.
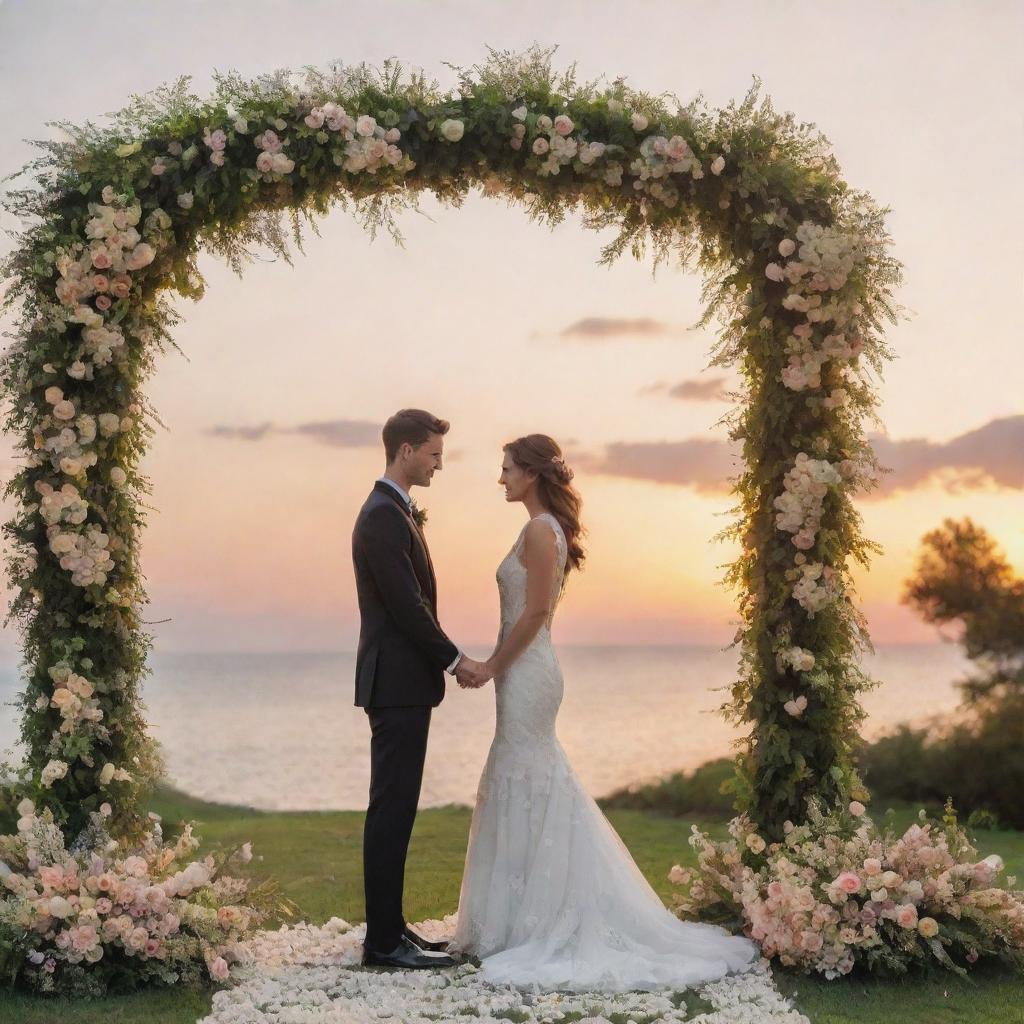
[423,461]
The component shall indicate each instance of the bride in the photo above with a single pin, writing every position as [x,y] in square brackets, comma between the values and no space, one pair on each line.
[550,895]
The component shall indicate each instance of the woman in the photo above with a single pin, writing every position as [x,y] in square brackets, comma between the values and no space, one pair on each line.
[550,895]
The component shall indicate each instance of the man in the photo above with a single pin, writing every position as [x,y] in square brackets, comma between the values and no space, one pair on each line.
[402,657]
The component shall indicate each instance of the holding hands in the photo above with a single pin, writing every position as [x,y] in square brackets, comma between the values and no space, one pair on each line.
[471,674]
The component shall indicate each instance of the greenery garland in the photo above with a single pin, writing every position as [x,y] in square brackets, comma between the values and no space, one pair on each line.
[798,273]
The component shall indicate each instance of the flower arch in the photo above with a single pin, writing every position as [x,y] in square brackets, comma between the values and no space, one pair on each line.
[797,271]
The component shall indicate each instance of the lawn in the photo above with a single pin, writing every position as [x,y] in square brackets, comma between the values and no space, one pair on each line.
[316,859]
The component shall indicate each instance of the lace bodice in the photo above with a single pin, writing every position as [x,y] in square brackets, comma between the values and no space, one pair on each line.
[511,576]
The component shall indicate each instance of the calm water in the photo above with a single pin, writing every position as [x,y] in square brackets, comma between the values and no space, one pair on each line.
[279,731]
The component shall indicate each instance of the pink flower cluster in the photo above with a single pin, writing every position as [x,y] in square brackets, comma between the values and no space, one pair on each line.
[837,891]
[82,907]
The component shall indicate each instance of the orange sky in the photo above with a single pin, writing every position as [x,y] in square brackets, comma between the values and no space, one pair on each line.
[250,546]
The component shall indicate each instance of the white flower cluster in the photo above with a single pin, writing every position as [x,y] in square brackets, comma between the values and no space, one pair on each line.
[306,974]
[798,658]
[368,145]
[817,587]
[84,554]
[63,506]
[557,145]
[53,771]
[800,504]
[659,159]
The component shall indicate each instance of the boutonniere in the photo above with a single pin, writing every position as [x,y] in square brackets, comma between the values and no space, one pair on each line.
[419,515]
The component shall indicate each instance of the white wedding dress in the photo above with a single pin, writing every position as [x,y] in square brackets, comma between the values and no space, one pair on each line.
[550,895]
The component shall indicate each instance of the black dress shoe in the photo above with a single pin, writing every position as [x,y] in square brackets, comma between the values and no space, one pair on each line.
[425,944]
[407,956]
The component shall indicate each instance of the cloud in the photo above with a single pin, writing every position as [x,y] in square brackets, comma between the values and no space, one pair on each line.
[993,453]
[598,328]
[712,389]
[244,433]
[704,464]
[343,433]
[336,433]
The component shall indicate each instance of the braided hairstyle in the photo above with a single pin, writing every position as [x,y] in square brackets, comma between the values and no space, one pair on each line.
[542,455]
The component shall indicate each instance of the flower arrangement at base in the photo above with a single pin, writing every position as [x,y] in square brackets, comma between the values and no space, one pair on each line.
[838,892]
[97,916]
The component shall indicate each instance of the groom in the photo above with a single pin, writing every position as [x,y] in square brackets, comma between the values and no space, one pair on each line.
[400,664]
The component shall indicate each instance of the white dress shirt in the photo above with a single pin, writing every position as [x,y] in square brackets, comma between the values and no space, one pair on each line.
[403,494]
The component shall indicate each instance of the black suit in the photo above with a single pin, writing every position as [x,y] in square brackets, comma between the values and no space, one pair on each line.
[400,665]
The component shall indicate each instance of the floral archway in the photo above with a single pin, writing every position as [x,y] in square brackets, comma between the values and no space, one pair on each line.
[797,271]
[799,275]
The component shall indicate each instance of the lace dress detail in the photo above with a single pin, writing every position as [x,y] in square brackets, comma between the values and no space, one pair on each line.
[550,895]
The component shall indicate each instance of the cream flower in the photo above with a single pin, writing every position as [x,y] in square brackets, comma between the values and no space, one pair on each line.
[452,130]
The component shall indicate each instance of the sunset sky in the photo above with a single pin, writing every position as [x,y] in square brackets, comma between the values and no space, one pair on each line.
[504,327]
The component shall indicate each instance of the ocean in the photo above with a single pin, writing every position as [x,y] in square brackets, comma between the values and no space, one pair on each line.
[280,732]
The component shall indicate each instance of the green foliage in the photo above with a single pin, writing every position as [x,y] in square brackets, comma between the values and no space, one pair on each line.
[774,175]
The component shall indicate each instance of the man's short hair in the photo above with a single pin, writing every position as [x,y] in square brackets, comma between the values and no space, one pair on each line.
[414,426]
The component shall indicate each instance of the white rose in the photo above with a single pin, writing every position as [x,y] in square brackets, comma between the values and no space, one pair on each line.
[787,247]
[77,370]
[282,164]
[110,423]
[718,165]
[26,808]
[118,477]
[106,774]
[774,272]
[540,146]
[185,200]
[53,395]
[519,113]
[638,121]
[452,130]
[59,907]
[366,124]
[64,410]
[264,162]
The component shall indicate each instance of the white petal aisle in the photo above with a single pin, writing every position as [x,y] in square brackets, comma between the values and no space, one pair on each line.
[310,974]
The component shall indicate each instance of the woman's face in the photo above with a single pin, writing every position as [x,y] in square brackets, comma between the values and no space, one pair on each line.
[516,481]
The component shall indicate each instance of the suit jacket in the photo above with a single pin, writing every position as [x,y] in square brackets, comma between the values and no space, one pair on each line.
[402,652]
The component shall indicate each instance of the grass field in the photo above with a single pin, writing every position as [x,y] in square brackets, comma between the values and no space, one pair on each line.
[316,859]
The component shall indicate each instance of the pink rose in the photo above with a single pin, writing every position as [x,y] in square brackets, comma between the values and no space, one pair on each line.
[849,882]
[103,302]
[315,118]
[121,286]
[157,169]
[152,947]
[392,135]
[264,162]
[219,969]
[857,808]
[100,283]
[540,146]
[101,259]
[563,125]
[906,916]
[774,273]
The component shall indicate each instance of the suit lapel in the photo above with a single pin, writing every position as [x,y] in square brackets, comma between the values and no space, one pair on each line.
[397,498]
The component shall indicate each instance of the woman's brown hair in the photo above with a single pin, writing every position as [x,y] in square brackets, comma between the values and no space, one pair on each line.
[540,453]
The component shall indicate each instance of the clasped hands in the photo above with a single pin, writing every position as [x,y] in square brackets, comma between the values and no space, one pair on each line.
[471,674]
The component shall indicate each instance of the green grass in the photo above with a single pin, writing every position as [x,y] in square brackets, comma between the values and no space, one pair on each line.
[316,859]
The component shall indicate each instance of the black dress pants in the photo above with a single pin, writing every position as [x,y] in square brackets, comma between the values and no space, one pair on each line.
[398,748]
